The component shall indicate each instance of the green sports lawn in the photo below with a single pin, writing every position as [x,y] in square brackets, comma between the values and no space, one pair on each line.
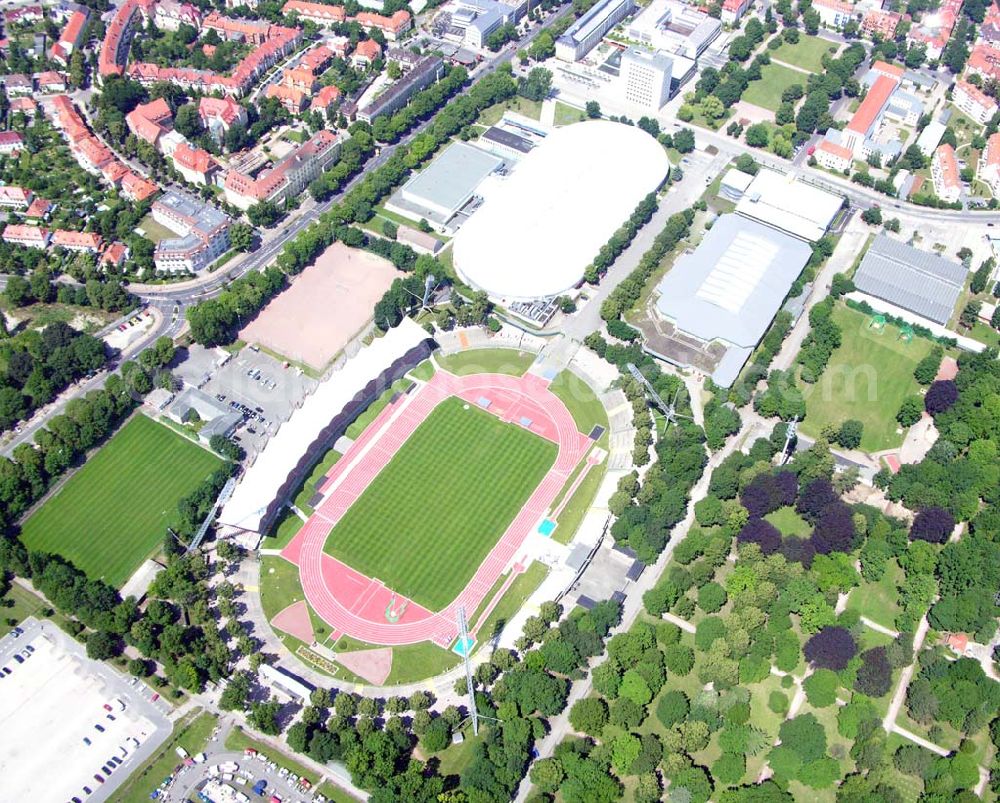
[431,516]
[774,80]
[112,514]
[807,53]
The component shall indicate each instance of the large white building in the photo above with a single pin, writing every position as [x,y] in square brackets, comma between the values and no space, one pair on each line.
[784,202]
[584,34]
[674,27]
[646,78]
[541,226]
[203,233]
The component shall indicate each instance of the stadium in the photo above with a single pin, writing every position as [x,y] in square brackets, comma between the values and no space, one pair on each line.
[540,227]
[420,513]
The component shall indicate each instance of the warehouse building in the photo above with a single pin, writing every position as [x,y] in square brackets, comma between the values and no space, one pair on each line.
[444,194]
[717,302]
[540,227]
[917,281]
[789,204]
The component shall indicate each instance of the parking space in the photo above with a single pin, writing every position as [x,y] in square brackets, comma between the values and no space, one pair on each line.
[263,389]
[59,709]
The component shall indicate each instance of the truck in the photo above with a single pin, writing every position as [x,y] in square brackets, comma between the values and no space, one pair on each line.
[181,752]
[259,787]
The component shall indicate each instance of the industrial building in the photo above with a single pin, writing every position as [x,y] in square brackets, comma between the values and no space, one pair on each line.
[203,233]
[442,193]
[584,34]
[717,302]
[540,227]
[917,281]
[784,202]
[675,28]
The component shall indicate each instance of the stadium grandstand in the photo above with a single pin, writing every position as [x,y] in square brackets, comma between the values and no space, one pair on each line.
[322,418]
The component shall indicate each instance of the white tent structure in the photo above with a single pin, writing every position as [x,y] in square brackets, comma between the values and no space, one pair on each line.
[540,227]
[264,487]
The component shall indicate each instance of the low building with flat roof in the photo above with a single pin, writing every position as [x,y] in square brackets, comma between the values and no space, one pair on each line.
[918,281]
[445,187]
[674,27]
[787,203]
[717,302]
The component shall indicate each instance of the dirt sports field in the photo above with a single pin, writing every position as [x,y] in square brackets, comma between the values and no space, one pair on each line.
[324,308]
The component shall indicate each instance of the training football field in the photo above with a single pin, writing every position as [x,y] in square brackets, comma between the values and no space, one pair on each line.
[113,513]
[431,516]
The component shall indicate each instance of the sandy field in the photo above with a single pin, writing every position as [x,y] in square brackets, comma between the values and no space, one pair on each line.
[325,306]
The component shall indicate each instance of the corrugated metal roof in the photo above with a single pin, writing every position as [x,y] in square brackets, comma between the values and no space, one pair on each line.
[915,280]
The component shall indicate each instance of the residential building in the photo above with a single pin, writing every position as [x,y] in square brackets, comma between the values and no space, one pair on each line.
[365,54]
[136,188]
[203,233]
[935,27]
[23,14]
[115,254]
[81,241]
[393,27]
[218,115]
[398,95]
[325,96]
[114,172]
[319,13]
[340,45]
[15,197]
[733,10]
[50,82]
[316,59]
[169,15]
[28,236]
[38,210]
[406,59]
[118,39]
[71,37]
[195,164]
[989,31]
[880,24]
[944,172]
[988,167]
[833,156]
[300,78]
[584,34]
[288,177]
[292,99]
[645,78]
[834,13]
[859,132]
[26,106]
[973,102]
[17,85]
[10,142]
[149,121]
[985,61]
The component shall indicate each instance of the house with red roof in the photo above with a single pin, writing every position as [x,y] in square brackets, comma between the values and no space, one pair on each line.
[38,210]
[881,24]
[150,121]
[733,10]
[833,156]
[27,106]
[393,26]
[114,172]
[195,164]
[864,124]
[18,85]
[944,172]
[11,142]
[15,197]
[325,96]
[973,102]
[79,241]
[365,54]
[935,27]
[71,37]
[115,254]
[319,13]
[28,236]
[218,115]
[316,59]
[50,82]
[292,99]
[137,188]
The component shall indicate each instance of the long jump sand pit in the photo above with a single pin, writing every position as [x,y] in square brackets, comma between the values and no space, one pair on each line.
[325,306]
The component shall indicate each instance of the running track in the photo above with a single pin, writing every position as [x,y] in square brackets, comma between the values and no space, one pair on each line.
[354,604]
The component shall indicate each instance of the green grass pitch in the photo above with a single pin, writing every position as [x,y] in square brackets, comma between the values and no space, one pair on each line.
[431,516]
[112,514]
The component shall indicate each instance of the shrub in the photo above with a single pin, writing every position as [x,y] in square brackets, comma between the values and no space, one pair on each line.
[933,524]
[830,648]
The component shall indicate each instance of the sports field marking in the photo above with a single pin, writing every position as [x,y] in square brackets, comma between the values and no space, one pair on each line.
[430,517]
[113,513]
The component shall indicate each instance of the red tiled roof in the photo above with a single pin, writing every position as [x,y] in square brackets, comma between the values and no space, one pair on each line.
[196,159]
[10,138]
[976,94]
[837,150]
[50,78]
[369,49]
[326,96]
[114,172]
[888,69]
[225,109]
[17,195]
[399,21]
[137,187]
[316,10]
[871,107]
[29,233]
[947,166]
[76,239]
[39,208]
[115,253]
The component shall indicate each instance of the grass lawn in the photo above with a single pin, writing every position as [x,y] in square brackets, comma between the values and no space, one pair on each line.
[566,114]
[879,601]
[360,424]
[455,757]
[280,587]
[867,378]
[155,231]
[587,410]
[192,733]
[529,108]
[428,519]
[486,361]
[410,663]
[424,371]
[807,53]
[789,522]
[774,80]
[510,603]
[985,334]
[283,531]
[334,793]
[94,520]
[569,520]
[22,605]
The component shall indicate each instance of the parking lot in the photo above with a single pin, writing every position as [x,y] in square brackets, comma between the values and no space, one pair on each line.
[264,389]
[73,728]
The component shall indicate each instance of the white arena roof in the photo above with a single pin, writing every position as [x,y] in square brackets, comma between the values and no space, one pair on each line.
[784,202]
[540,227]
[263,481]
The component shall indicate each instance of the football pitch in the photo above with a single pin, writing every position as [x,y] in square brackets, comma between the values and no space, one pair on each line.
[431,516]
[112,514]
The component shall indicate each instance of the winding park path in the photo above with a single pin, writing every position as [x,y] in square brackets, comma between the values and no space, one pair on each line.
[356,605]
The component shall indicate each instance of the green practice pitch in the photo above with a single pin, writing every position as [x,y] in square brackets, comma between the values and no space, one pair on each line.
[112,514]
[431,516]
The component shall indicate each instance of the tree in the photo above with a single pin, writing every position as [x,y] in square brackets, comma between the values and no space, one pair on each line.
[941,395]
[187,121]
[264,717]
[933,524]
[102,645]
[234,696]
[537,85]
[804,735]
[684,140]
[729,768]
[910,411]
[589,715]
[593,110]
[875,674]
[830,648]
[241,236]
[928,367]
[849,435]
[821,688]
[872,216]
[711,597]
[672,708]
[547,774]
[635,688]
[757,135]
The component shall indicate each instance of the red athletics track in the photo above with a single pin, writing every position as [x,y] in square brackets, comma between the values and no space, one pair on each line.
[355,604]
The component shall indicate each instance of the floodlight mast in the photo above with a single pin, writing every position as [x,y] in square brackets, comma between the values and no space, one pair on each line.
[669,410]
[463,634]
[790,434]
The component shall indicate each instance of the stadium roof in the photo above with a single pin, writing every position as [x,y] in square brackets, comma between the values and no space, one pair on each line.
[730,288]
[915,280]
[451,179]
[539,228]
[252,502]
[782,201]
